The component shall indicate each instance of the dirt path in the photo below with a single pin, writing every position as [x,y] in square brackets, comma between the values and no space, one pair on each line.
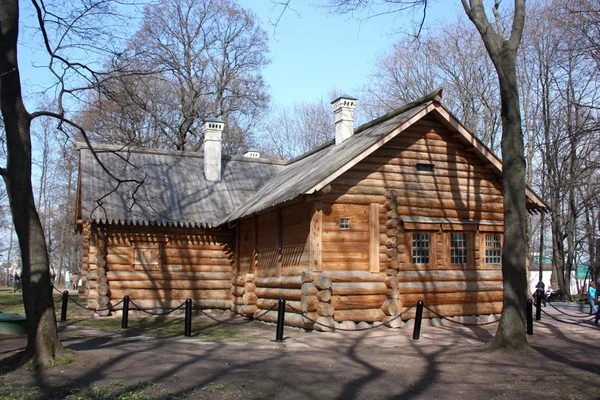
[447,362]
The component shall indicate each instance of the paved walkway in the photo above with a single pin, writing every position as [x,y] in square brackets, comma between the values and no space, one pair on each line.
[448,362]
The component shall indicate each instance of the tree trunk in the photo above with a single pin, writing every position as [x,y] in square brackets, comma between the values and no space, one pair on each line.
[511,330]
[503,52]
[42,334]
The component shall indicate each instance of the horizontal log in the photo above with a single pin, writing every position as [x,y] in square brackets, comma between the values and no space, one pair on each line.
[452,298]
[169,284]
[290,319]
[417,179]
[451,213]
[358,302]
[346,236]
[449,286]
[449,275]
[346,276]
[289,282]
[410,186]
[170,294]
[172,304]
[267,304]
[369,315]
[276,293]
[359,288]
[451,310]
[345,265]
[165,275]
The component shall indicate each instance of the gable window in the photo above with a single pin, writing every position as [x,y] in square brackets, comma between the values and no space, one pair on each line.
[344,224]
[493,249]
[420,248]
[424,167]
[458,248]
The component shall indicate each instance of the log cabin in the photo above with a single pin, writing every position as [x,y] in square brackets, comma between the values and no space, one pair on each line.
[406,207]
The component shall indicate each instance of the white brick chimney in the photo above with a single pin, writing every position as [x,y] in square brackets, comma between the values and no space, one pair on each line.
[343,110]
[213,129]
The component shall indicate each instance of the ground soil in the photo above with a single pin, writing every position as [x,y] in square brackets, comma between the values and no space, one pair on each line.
[447,362]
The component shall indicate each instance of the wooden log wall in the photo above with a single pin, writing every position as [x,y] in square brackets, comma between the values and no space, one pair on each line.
[346,249]
[85,266]
[336,296]
[460,187]
[276,242]
[187,263]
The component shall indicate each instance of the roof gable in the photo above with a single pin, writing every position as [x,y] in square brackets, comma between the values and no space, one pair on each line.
[317,169]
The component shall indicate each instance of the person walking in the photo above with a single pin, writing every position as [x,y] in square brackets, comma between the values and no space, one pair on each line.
[67,280]
[592,297]
[540,292]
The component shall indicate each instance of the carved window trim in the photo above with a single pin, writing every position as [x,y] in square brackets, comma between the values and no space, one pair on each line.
[146,251]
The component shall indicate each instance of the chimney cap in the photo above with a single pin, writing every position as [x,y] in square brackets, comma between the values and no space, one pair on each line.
[213,120]
[344,96]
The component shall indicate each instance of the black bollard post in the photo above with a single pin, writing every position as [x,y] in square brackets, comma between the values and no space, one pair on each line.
[538,306]
[188,318]
[418,318]
[280,319]
[125,318]
[65,302]
[529,317]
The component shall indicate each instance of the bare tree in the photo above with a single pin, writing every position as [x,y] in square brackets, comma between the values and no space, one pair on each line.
[451,57]
[296,129]
[67,30]
[196,59]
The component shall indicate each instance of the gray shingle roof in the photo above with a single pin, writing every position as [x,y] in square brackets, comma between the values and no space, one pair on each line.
[171,189]
[308,171]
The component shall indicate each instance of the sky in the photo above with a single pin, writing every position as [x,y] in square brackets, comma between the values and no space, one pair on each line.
[311,51]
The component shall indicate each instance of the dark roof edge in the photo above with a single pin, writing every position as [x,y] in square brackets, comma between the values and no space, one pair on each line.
[433,96]
[193,154]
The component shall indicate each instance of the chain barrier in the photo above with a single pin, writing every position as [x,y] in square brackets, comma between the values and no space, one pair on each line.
[82,306]
[462,323]
[348,329]
[151,313]
[581,321]
[568,315]
[250,319]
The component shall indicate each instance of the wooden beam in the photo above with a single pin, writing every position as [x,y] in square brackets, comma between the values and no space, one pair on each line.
[316,237]
[278,241]
[237,246]
[255,253]
[374,238]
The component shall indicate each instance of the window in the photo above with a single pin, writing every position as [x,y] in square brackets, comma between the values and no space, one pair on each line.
[420,248]
[493,249]
[344,223]
[146,251]
[458,248]
[424,167]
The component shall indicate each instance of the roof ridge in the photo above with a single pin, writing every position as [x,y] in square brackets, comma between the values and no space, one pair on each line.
[169,152]
[436,95]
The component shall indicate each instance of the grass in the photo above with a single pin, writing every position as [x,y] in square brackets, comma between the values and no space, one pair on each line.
[162,327]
